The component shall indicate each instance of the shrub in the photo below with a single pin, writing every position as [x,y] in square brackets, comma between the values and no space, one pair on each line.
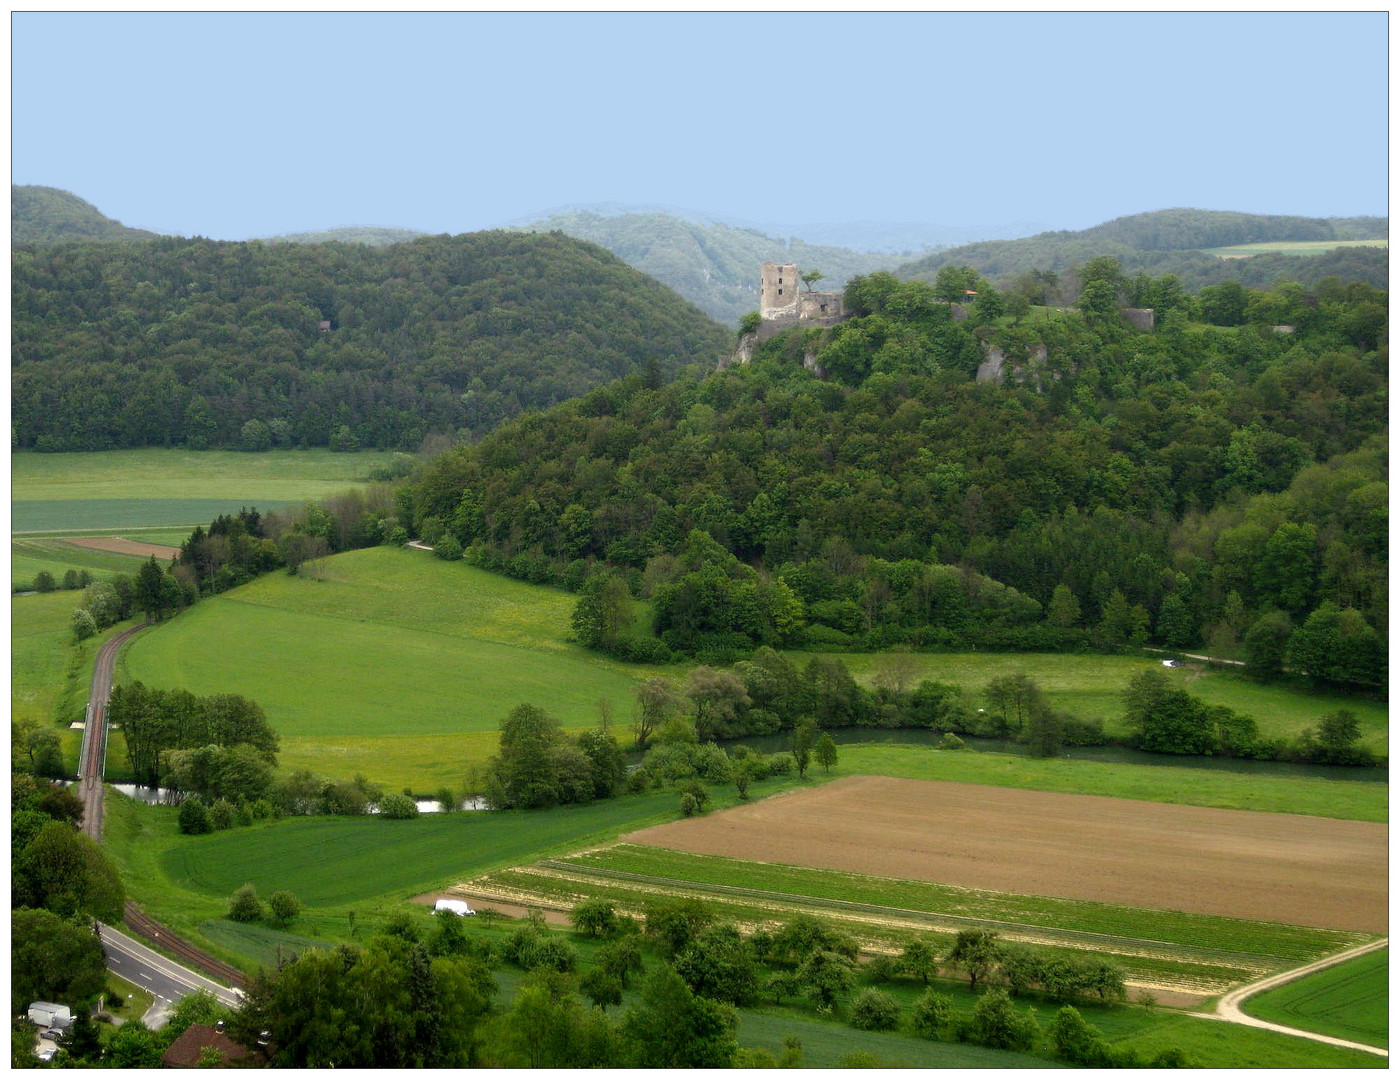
[932,1011]
[84,625]
[397,807]
[694,798]
[874,1010]
[282,908]
[996,1023]
[244,905]
[950,742]
[223,815]
[194,818]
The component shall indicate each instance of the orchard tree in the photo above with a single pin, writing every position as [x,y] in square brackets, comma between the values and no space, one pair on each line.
[825,752]
[975,952]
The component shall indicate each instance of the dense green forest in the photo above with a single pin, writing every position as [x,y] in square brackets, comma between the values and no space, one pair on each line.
[1173,242]
[45,215]
[1193,485]
[199,343]
[713,266]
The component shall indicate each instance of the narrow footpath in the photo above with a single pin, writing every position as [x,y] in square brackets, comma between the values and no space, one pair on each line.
[1228,1008]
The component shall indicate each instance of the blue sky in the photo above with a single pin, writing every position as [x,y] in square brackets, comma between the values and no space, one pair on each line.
[237,125]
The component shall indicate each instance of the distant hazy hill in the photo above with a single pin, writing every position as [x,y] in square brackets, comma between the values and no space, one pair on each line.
[1173,241]
[45,215]
[373,235]
[714,266]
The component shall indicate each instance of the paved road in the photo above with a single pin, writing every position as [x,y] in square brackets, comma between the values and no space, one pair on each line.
[156,974]
[1228,1008]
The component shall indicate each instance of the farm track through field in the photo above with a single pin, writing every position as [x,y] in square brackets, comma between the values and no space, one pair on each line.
[1228,1008]
[1079,939]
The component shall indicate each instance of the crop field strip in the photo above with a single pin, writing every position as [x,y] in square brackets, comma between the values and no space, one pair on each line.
[1240,951]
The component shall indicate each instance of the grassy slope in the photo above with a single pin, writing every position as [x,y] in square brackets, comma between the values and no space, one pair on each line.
[1349,1001]
[394,664]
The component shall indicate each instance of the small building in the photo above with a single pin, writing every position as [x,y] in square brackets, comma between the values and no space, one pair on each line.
[187,1051]
[46,1014]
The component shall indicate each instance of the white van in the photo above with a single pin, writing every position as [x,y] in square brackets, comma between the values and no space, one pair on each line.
[458,907]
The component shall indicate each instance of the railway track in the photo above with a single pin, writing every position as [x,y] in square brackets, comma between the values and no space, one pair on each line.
[92,757]
[92,760]
[141,923]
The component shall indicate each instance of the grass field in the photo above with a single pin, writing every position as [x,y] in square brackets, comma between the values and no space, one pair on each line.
[1091,687]
[393,663]
[128,489]
[1291,247]
[125,475]
[1350,1001]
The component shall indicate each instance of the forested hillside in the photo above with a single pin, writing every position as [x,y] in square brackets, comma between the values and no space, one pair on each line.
[1192,485]
[199,343]
[45,215]
[713,266]
[1173,241]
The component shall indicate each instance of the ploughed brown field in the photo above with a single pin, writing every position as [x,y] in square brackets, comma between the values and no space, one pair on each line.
[1274,867]
[124,547]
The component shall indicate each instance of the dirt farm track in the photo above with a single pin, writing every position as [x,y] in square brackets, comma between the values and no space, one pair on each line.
[1273,867]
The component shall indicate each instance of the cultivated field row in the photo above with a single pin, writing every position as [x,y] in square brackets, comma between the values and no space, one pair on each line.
[1147,962]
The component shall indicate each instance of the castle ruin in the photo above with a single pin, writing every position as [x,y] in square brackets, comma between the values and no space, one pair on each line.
[783,303]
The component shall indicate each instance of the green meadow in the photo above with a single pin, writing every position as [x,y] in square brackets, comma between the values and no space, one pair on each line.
[395,664]
[1090,686]
[156,474]
[1291,247]
[1350,1001]
[388,662]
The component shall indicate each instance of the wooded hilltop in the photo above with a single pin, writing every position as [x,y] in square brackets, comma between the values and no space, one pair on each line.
[1218,478]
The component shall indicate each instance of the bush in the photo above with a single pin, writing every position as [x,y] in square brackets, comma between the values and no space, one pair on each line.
[282,908]
[84,625]
[950,742]
[223,815]
[397,807]
[194,818]
[996,1023]
[244,905]
[932,1011]
[694,798]
[874,1010]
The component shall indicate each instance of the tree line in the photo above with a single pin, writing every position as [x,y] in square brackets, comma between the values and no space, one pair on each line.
[685,971]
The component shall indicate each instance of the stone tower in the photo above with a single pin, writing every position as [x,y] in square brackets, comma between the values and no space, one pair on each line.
[778,290]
